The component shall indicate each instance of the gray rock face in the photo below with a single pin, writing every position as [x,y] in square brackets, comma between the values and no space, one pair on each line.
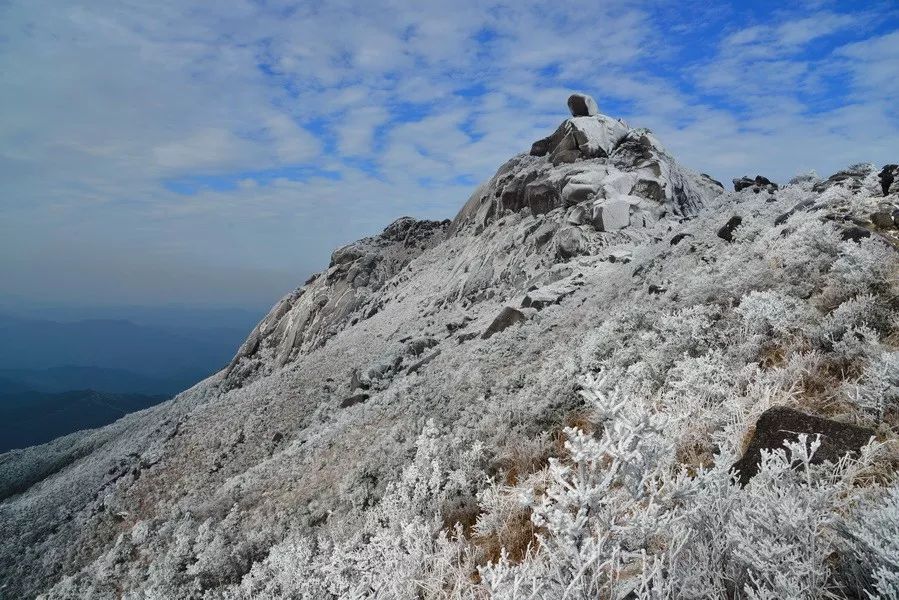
[613,215]
[581,138]
[854,234]
[342,295]
[542,197]
[883,219]
[570,242]
[582,105]
[780,424]
[554,293]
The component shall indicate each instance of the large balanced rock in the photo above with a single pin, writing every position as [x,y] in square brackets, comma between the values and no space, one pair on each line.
[780,424]
[582,105]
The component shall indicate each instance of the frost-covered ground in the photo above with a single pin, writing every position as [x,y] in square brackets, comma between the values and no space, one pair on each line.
[370,440]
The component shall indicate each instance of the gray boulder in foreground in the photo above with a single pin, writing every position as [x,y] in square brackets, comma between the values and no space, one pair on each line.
[779,424]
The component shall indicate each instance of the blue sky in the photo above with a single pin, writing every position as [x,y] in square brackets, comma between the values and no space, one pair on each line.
[215,153]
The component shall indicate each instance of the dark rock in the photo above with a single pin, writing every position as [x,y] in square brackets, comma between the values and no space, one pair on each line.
[800,206]
[649,189]
[454,326]
[418,366]
[467,336]
[544,233]
[888,175]
[548,295]
[418,346]
[353,400]
[678,238]
[549,143]
[563,157]
[883,220]
[512,195]
[779,424]
[654,289]
[356,381]
[757,185]
[582,105]
[742,183]
[855,234]
[577,216]
[726,233]
[508,317]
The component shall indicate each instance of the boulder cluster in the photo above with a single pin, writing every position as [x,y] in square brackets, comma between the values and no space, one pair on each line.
[593,174]
[757,185]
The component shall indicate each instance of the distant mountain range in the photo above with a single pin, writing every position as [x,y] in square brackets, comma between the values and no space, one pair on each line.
[28,418]
[115,344]
[63,369]
[114,381]
[132,349]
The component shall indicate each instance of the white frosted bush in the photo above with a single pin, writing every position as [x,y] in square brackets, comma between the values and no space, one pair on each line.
[876,534]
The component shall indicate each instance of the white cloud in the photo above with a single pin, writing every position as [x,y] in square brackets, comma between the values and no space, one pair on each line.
[356,130]
[104,102]
[209,148]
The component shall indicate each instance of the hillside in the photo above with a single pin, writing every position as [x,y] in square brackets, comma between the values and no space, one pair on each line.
[542,398]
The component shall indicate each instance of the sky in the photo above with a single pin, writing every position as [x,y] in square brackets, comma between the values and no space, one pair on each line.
[215,153]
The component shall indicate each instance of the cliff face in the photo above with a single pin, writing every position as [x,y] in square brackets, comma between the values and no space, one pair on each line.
[596,253]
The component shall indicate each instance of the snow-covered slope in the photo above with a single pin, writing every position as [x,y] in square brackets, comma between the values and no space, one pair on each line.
[545,394]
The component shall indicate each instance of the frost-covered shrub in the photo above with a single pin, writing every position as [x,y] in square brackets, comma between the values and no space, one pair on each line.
[877,390]
[866,267]
[875,531]
[400,549]
[618,515]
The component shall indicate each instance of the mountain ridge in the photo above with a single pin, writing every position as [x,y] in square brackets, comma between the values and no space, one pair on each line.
[372,397]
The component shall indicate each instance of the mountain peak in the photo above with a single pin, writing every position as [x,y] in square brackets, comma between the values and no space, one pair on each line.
[596,317]
[605,176]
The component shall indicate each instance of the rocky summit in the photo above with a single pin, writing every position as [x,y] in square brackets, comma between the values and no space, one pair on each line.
[607,376]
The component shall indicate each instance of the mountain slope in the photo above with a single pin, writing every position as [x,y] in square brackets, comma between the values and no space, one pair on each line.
[436,367]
